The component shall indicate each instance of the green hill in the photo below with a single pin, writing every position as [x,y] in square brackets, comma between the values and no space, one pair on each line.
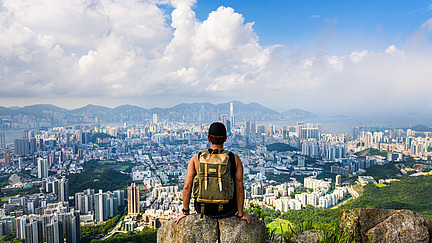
[280,147]
[413,193]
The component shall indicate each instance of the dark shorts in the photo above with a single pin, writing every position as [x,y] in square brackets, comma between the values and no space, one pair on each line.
[212,210]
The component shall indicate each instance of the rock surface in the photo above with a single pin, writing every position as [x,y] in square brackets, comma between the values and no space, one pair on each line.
[233,229]
[194,229]
[385,225]
[308,236]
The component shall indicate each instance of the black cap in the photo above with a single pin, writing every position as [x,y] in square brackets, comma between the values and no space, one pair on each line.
[217,129]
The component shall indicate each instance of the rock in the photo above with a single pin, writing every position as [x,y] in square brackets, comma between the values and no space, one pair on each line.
[233,229]
[403,226]
[308,236]
[194,229]
[385,225]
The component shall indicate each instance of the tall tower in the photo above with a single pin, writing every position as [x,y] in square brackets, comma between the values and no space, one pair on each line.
[232,121]
[133,199]
[64,190]
[2,140]
[42,168]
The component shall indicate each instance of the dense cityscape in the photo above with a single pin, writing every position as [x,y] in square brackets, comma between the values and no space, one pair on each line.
[285,168]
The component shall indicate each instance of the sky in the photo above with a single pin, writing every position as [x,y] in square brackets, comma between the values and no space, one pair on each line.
[321,56]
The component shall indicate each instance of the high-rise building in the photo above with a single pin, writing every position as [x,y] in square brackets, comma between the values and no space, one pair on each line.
[106,204]
[32,145]
[338,180]
[20,161]
[72,226]
[22,146]
[155,118]
[54,230]
[8,157]
[247,127]
[232,118]
[133,199]
[84,201]
[2,140]
[42,164]
[63,190]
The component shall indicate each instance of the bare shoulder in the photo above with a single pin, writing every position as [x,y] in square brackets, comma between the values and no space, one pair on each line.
[237,158]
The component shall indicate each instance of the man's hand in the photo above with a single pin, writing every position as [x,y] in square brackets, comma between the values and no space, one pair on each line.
[181,216]
[246,217]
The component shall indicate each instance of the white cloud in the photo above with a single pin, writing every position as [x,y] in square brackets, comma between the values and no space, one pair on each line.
[126,50]
[427,25]
[358,56]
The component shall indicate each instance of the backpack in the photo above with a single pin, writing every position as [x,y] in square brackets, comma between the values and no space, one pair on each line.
[213,182]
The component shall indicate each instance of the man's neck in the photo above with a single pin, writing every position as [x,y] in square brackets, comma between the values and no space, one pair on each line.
[214,146]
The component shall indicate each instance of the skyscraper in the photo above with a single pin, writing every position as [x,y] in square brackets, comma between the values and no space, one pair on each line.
[133,199]
[42,168]
[232,120]
[2,140]
[22,146]
[64,190]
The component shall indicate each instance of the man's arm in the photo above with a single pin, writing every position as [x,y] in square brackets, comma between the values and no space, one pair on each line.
[240,194]
[187,189]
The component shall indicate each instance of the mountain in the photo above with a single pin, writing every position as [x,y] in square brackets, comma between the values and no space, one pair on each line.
[8,111]
[41,110]
[91,109]
[126,109]
[184,112]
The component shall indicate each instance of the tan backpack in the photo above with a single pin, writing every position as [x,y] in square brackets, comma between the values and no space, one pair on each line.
[213,182]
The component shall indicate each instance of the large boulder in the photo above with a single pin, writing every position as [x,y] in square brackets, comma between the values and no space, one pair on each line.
[233,230]
[385,225]
[193,228]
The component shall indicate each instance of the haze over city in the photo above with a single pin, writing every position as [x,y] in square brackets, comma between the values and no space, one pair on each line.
[324,57]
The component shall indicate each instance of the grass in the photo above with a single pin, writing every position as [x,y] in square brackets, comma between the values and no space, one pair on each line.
[6,199]
[124,167]
[380,185]
[276,225]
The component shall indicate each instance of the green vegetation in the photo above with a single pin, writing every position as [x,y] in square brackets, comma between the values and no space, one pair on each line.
[10,238]
[280,147]
[90,233]
[100,135]
[99,179]
[380,185]
[414,193]
[279,225]
[321,218]
[386,171]
[179,142]
[372,151]
[300,190]
[146,235]
[278,178]
[21,192]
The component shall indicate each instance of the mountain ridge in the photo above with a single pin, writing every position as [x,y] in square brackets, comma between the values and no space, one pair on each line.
[192,112]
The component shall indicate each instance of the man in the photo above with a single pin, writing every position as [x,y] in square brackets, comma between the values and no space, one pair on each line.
[217,137]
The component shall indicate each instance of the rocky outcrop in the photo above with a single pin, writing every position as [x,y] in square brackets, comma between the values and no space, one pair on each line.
[193,228]
[308,236]
[235,230]
[385,225]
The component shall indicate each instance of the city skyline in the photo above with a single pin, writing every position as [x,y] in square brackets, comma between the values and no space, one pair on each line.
[322,57]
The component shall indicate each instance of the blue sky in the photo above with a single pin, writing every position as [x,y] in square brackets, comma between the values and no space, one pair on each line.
[355,25]
[321,56]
